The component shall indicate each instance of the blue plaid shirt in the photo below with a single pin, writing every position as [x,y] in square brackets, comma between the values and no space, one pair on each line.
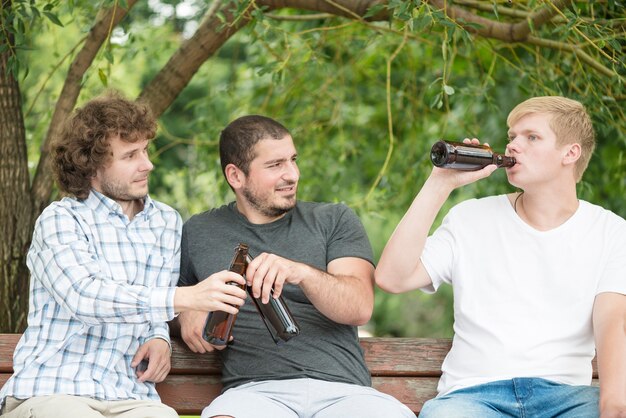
[100,286]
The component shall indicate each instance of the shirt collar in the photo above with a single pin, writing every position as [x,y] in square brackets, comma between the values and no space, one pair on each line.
[104,204]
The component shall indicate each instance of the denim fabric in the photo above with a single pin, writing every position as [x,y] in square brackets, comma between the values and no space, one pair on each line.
[519,398]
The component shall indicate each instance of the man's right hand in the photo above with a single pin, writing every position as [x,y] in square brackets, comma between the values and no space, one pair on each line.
[191,327]
[450,179]
[212,294]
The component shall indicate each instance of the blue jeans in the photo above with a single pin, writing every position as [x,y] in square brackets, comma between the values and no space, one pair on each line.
[520,398]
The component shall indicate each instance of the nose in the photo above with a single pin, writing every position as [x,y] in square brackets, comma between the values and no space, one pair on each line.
[292,172]
[512,147]
[146,164]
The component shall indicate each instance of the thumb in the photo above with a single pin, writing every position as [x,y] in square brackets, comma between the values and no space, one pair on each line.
[140,355]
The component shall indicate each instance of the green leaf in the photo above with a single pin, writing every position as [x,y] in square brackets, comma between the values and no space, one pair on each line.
[108,55]
[103,77]
[374,10]
[53,18]
[449,90]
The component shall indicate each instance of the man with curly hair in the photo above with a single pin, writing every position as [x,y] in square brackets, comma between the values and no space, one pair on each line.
[104,263]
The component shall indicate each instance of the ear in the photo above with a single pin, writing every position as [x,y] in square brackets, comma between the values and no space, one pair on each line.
[234,176]
[573,152]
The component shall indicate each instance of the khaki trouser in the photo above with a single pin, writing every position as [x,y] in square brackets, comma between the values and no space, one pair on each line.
[67,406]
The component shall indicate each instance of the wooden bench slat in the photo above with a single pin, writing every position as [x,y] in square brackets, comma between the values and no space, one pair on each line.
[405,356]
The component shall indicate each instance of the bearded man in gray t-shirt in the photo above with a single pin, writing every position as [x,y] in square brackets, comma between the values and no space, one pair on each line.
[316,255]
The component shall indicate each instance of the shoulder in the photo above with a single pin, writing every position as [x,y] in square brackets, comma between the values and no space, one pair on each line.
[479,205]
[68,207]
[323,208]
[211,216]
[325,211]
[600,216]
[166,210]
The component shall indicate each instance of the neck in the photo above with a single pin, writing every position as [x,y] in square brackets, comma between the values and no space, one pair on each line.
[131,207]
[253,215]
[545,210]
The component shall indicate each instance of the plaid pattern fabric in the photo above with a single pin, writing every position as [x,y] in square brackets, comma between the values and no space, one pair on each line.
[100,286]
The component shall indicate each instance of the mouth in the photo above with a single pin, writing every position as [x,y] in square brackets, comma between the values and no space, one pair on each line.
[287,189]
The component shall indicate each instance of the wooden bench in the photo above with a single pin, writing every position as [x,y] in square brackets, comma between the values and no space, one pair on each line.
[407,368]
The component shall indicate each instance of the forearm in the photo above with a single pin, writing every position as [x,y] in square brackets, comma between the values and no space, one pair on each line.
[609,323]
[344,299]
[94,300]
[399,264]
[612,366]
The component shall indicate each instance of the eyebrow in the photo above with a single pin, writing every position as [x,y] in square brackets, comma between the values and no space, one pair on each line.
[523,131]
[279,160]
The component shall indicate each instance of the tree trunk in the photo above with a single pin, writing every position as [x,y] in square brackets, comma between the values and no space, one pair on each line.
[15,201]
[21,204]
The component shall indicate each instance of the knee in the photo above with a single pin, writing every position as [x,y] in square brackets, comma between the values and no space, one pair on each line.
[448,408]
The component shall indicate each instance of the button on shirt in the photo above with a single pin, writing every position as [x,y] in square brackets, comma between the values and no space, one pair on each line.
[101,285]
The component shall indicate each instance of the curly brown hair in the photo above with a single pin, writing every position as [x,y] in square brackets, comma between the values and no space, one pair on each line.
[83,146]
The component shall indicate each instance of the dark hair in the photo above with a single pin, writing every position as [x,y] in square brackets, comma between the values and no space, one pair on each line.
[83,145]
[237,140]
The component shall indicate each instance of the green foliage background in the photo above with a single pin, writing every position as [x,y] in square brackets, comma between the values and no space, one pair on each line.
[364,103]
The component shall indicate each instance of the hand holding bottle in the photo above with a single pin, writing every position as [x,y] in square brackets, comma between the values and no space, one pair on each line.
[267,273]
[212,294]
[467,156]
[444,180]
[274,312]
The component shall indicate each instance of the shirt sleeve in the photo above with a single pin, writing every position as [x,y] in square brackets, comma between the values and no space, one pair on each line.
[438,254]
[613,279]
[348,238]
[187,276]
[61,259]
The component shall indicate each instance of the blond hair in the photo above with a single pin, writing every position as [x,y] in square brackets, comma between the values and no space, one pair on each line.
[570,122]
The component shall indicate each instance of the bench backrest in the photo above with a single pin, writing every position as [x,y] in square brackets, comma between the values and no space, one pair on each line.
[407,368]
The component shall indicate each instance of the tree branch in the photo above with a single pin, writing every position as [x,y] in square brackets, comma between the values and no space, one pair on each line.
[163,89]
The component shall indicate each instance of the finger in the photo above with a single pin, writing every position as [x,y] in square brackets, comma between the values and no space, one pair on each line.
[231,276]
[278,288]
[207,347]
[139,355]
[260,275]
[268,284]
[162,372]
[237,301]
[234,292]
[193,342]
[149,373]
[224,307]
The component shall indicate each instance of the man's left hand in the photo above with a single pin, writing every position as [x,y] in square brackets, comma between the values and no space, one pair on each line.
[157,353]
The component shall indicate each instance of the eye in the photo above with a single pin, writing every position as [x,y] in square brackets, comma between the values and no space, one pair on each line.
[532,137]
[510,138]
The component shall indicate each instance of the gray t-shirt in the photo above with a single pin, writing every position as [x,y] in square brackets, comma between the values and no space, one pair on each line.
[311,233]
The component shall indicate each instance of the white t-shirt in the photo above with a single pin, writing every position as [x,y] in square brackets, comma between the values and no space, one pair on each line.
[523,298]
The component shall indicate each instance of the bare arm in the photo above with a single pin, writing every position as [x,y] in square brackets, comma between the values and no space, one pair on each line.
[344,294]
[609,325]
[400,268]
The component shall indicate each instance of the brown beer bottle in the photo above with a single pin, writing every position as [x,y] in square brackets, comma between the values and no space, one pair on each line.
[219,324]
[276,316]
[467,157]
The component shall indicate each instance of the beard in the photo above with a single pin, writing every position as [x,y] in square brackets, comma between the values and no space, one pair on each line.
[121,192]
[264,206]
